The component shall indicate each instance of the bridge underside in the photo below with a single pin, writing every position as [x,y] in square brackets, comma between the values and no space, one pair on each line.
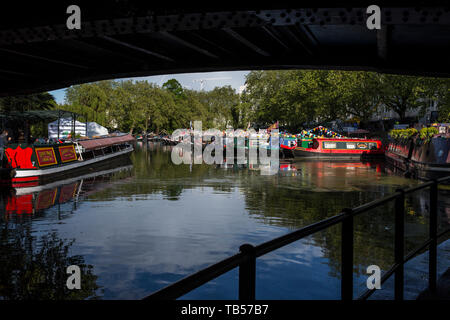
[38,52]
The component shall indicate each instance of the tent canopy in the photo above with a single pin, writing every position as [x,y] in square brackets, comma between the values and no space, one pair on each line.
[66,126]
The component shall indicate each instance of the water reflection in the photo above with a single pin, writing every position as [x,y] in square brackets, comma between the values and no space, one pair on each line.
[156,222]
[33,265]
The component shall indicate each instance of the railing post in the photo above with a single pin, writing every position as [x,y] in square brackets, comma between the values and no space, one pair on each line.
[432,264]
[247,273]
[347,256]
[399,245]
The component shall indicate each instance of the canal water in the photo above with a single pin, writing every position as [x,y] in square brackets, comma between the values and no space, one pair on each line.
[146,223]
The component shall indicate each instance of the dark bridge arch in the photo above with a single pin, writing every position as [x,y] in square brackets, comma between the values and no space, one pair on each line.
[125,39]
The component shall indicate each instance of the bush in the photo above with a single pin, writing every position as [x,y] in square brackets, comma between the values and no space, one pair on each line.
[402,134]
[427,133]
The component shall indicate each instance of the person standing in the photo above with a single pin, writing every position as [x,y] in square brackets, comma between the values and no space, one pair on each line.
[3,143]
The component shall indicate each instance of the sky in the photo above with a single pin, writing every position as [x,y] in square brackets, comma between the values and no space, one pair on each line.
[194,81]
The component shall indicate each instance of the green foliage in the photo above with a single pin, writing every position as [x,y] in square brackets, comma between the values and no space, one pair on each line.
[299,96]
[37,101]
[402,93]
[444,100]
[427,133]
[403,134]
[92,100]
[174,87]
[295,98]
[35,268]
[222,107]
[134,106]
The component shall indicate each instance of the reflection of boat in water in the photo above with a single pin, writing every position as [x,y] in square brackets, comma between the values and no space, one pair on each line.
[27,200]
[283,167]
[35,164]
[318,170]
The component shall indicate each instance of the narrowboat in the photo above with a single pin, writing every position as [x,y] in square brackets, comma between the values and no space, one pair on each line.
[323,143]
[420,156]
[27,165]
[288,143]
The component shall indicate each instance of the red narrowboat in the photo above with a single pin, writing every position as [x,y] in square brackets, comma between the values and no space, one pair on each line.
[27,165]
[338,148]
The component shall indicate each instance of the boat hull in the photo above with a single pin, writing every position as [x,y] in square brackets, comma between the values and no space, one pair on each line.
[17,178]
[421,160]
[352,149]
[299,153]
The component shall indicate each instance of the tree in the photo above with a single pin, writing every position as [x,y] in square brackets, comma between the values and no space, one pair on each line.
[264,94]
[129,108]
[91,96]
[355,92]
[174,87]
[444,102]
[157,105]
[402,93]
[291,97]
[219,104]
[36,101]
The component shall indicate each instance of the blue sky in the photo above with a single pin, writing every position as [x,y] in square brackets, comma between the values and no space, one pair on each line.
[209,80]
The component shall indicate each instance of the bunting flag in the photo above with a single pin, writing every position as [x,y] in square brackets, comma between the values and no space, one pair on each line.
[320,132]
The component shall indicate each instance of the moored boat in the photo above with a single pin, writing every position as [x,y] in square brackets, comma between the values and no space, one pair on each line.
[288,143]
[424,156]
[330,145]
[34,164]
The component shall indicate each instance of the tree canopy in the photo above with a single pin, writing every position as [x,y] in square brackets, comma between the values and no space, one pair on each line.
[295,98]
[36,101]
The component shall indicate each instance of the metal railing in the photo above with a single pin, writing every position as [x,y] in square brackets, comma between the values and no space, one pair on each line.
[246,258]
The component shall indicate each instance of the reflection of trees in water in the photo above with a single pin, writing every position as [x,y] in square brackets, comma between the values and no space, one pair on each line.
[288,202]
[35,268]
[374,230]
[154,167]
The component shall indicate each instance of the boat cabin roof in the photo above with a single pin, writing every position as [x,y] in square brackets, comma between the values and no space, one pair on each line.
[90,144]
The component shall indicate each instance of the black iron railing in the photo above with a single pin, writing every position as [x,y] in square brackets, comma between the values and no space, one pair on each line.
[246,258]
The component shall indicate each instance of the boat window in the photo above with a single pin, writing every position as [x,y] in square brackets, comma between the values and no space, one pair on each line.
[88,155]
[372,145]
[329,145]
[361,145]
